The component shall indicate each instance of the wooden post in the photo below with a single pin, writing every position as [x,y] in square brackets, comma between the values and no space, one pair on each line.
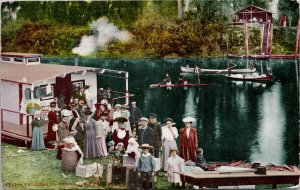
[27,126]
[1,119]
[297,40]
[246,39]
[109,174]
[270,39]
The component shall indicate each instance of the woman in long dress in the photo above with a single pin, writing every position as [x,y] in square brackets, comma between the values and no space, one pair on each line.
[125,113]
[116,114]
[37,142]
[91,146]
[169,134]
[101,132]
[52,118]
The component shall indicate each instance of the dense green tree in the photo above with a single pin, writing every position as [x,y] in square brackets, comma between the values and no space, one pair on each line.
[265,4]
[290,9]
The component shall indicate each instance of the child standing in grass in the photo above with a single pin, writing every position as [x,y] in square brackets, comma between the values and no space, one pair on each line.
[174,164]
[146,167]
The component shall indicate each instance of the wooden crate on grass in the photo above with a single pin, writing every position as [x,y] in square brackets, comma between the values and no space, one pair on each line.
[128,161]
[89,170]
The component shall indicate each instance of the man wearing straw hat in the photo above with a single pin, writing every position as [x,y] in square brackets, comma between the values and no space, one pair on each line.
[145,134]
[188,140]
[146,167]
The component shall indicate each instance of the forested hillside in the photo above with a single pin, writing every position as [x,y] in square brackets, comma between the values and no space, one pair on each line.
[158,28]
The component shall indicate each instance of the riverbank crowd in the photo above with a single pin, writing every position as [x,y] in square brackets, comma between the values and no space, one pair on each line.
[80,130]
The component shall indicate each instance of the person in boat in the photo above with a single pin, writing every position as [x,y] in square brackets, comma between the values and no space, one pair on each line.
[181,79]
[251,65]
[167,80]
[200,160]
[229,67]
[197,70]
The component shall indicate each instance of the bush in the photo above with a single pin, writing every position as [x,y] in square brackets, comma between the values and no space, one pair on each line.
[34,106]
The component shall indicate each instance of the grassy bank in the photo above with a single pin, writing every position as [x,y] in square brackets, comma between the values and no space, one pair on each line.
[41,170]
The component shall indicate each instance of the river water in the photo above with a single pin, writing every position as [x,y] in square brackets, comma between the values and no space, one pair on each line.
[235,120]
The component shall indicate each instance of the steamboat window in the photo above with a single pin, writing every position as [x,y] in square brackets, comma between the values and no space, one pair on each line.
[5,59]
[18,60]
[46,92]
[33,60]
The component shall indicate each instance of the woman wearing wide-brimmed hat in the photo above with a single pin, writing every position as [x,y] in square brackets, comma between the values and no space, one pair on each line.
[91,146]
[169,135]
[188,140]
[120,135]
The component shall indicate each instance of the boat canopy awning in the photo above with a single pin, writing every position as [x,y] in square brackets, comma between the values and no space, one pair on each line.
[35,74]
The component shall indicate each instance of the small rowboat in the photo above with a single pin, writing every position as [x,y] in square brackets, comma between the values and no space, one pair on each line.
[176,85]
[252,77]
[217,71]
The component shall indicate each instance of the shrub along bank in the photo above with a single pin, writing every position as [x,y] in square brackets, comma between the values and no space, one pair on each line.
[159,38]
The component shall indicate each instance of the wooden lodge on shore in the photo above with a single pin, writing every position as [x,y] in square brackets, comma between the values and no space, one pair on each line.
[26,81]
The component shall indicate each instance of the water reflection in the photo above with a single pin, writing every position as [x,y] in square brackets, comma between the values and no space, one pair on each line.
[268,147]
[190,106]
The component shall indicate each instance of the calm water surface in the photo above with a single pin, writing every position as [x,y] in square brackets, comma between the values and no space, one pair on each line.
[235,120]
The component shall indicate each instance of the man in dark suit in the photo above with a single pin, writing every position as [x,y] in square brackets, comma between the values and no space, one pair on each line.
[145,134]
[155,125]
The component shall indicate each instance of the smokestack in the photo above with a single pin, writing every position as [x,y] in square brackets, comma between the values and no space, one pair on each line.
[76,60]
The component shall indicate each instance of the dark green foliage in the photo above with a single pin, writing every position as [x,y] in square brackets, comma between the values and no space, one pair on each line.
[284,40]
[55,27]
[42,37]
[290,9]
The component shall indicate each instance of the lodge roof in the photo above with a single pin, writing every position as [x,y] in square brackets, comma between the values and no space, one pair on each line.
[32,74]
[257,10]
